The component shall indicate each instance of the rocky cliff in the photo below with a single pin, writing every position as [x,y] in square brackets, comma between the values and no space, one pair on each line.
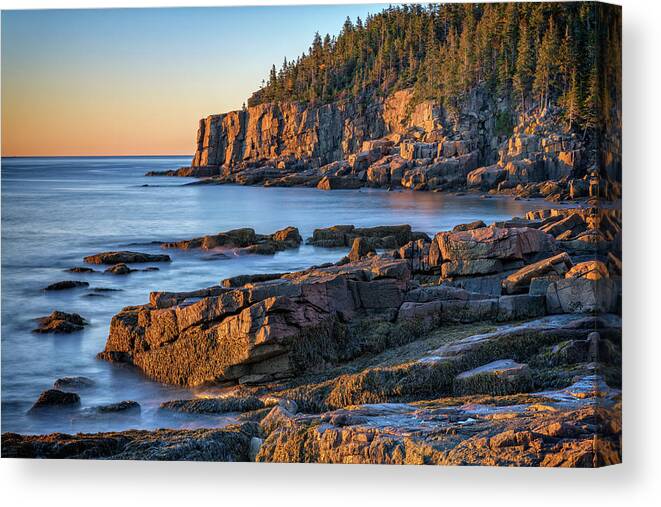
[293,132]
[400,141]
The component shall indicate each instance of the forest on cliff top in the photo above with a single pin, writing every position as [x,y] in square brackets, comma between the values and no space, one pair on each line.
[530,54]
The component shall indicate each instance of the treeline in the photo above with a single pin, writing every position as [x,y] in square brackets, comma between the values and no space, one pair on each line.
[531,54]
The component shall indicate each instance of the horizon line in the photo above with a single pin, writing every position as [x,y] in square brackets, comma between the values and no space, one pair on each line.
[93,156]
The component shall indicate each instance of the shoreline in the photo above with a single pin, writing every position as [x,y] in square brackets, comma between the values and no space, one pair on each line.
[283,403]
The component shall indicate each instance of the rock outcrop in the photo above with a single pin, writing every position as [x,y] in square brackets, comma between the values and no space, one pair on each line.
[384,236]
[243,241]
[259,331]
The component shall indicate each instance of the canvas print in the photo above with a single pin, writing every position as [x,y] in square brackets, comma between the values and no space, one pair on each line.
[349,234]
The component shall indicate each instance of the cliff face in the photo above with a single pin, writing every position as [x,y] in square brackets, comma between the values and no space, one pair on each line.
[398,141]
[315,135]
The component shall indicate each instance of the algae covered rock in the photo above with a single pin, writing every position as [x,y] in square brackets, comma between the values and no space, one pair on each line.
[500,377]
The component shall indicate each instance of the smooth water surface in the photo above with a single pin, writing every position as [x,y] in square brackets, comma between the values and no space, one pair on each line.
[55,211]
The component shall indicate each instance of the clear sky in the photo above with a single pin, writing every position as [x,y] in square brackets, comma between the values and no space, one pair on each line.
[136,81]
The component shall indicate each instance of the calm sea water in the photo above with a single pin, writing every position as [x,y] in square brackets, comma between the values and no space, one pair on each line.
[57,210]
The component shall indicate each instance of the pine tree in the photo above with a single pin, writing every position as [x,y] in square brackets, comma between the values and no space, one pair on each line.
[546,65]
[523,73]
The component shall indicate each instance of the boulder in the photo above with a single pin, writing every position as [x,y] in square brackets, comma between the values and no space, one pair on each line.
[490,243]
[240,280]
[329,237]
[519,281]
[245,240]
[485,178]
[383,236]
[125,257]
[337,183]
[54,398]
[81,269]
[119,269]
[416,254]
[60,322]
[538,285]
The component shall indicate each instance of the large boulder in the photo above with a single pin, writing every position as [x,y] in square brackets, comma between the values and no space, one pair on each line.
[489,243]
[486,177]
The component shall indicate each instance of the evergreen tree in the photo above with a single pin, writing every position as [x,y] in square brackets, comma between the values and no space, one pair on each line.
[528,54]
[523,73]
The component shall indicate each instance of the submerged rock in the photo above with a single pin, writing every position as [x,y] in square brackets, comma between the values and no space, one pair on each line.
[73,383]
[80,269]
[119,269]
[124,257]
[67,284]
[54,398]
[120,407]
[60,322]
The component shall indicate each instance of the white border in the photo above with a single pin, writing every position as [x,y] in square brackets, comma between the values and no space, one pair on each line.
[636,482]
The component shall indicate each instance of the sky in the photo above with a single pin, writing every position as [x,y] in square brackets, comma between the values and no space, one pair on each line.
[136,81]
